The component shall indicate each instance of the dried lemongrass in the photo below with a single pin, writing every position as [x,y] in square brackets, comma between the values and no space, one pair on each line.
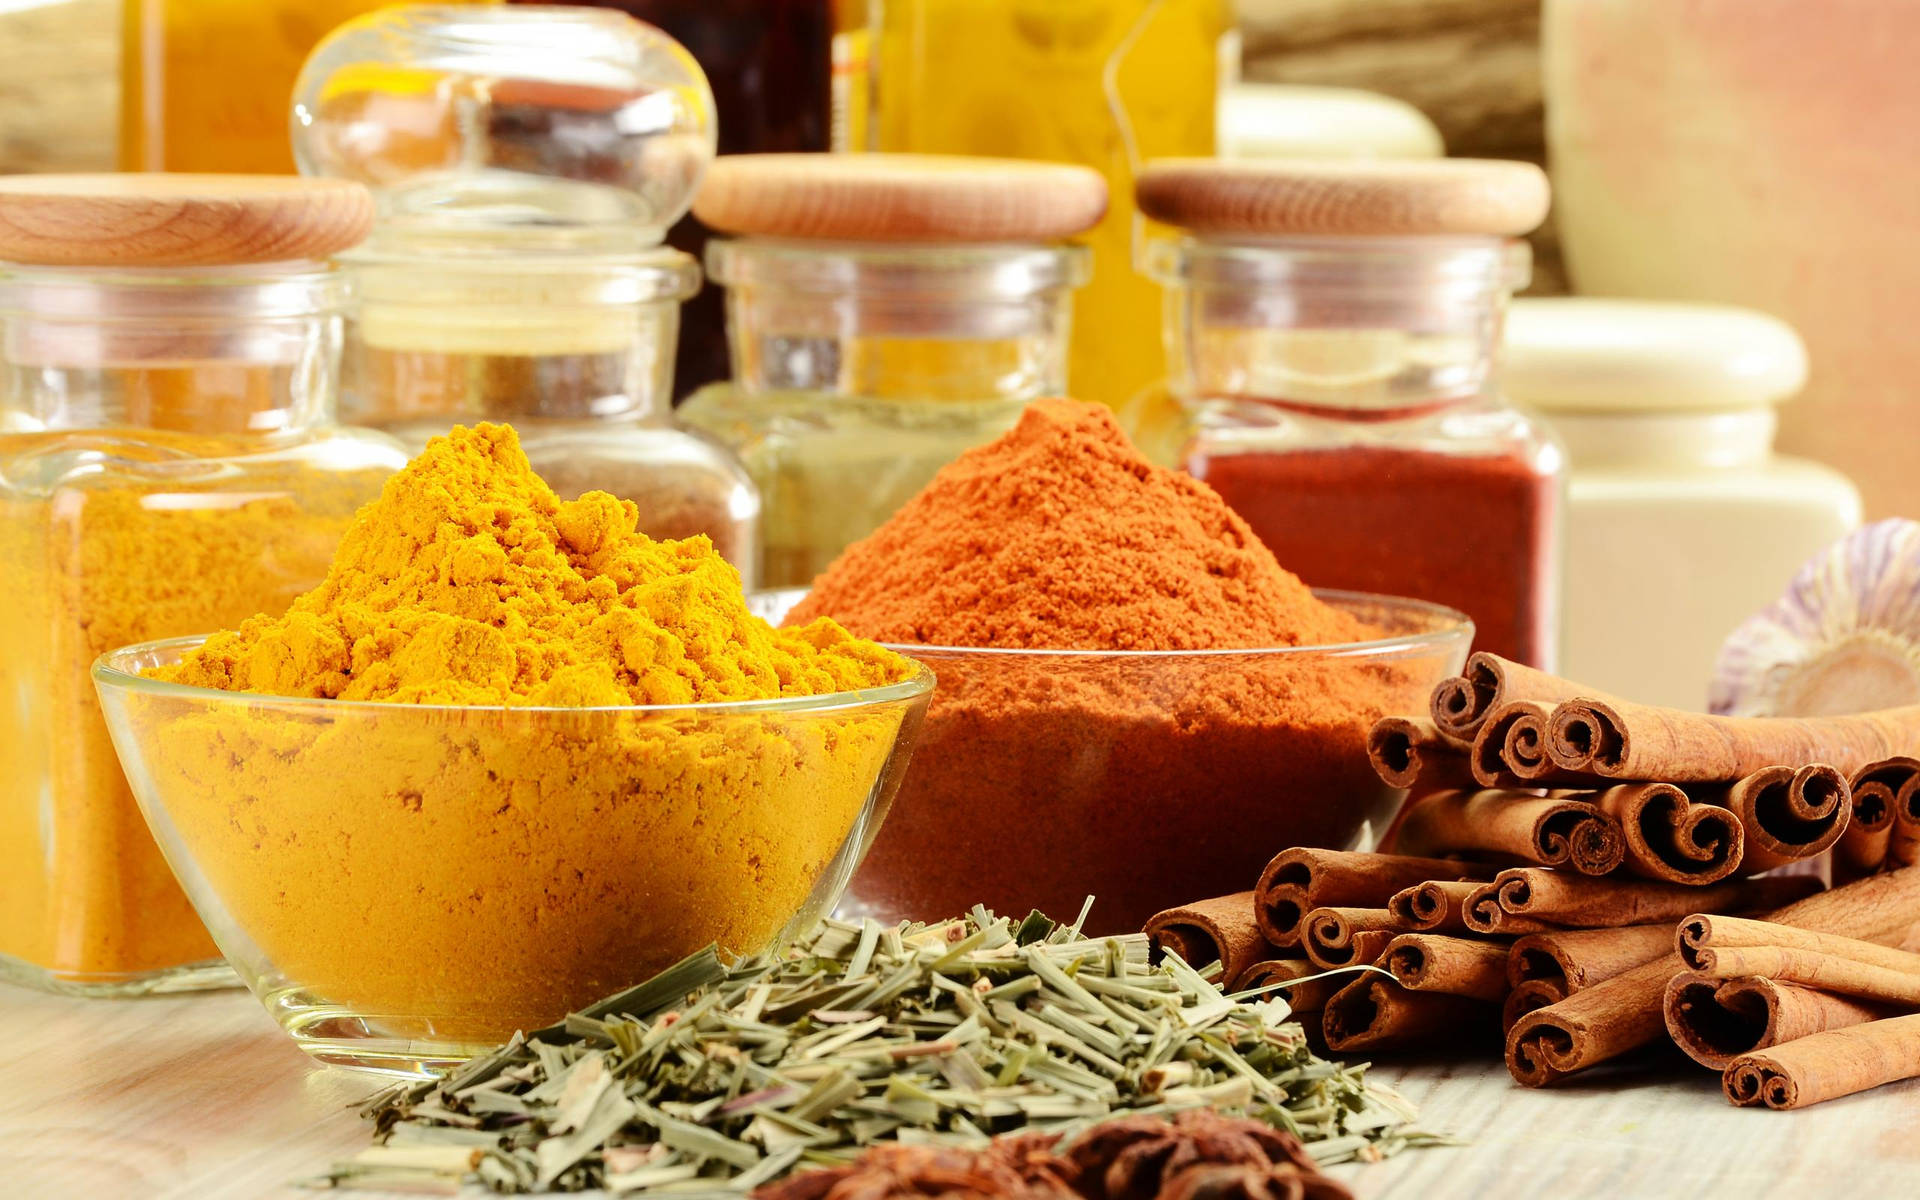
[711,1077]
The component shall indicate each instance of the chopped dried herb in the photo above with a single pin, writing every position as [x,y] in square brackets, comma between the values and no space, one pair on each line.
[716,1078]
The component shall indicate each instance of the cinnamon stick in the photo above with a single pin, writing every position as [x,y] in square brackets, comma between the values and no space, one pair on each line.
[1579,958]
[1223,930]
[1306,987]
[1701,935]
[1510,749]
[1436,906]
[1827,1065]
[1530,996]
[1409,752]
[1514,825]
[1728,947]
[1575,902]
[1618,740]
[1459,706]
[1903,844]
[1346,937]
[1428,962]
[1789,814]
[1299,880]
[1372,1013]
[1671,838]
[1623,1013]
[1877,791]
[1715,1021]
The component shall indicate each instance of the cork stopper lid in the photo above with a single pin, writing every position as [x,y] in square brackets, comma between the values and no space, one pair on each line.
[899,198]
[1580,354]
[155,220]
[1444,196]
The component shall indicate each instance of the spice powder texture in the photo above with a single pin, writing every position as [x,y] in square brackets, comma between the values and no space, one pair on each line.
[100,560]
[460,859]
[1143,780]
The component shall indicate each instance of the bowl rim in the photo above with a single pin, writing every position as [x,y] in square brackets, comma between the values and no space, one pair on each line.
[1451,624]
[106,674]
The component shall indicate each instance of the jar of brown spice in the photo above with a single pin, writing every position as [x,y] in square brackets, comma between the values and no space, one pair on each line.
[1333,330]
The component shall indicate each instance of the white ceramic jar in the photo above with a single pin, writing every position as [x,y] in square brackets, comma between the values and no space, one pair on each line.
[1681,519]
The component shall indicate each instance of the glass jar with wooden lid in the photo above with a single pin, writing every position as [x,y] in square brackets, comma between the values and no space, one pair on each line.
[884,314]
[1334,334]
[169,465]
[527,163]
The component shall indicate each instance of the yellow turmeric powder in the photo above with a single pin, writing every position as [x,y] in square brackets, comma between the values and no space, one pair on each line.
[105,540]
[493,840]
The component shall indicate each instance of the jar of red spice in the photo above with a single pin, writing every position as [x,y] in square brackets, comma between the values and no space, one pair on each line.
[1333,331]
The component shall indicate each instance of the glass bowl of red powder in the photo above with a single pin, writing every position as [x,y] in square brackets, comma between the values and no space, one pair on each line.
[1144,778]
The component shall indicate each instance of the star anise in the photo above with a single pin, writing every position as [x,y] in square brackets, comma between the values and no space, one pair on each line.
[1140,1158]
[1024,1170]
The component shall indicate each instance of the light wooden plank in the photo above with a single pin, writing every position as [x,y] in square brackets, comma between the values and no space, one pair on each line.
[201,1096]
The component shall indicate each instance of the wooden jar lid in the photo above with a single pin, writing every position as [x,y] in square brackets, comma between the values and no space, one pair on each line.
[899,198]
[156,220]
[1462,196]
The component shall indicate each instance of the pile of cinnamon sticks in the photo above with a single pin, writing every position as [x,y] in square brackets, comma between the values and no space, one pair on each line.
[1565,873]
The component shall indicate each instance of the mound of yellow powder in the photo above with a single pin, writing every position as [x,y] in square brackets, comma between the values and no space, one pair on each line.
[470,582]
[446,869]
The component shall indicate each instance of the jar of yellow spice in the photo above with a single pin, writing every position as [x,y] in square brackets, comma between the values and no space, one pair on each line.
[168,465]
[526,163]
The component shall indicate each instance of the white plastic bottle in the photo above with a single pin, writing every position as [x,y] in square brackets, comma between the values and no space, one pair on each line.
[1681,519]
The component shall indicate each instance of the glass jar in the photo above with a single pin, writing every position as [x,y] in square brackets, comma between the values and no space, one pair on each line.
[1668,413]
[860,368]
[204,83]
[1109,84]
[169,465]
[771,65]
[527,162]
[1333,332]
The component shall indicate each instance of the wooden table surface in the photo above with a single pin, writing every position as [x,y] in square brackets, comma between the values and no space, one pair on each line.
[202,1096]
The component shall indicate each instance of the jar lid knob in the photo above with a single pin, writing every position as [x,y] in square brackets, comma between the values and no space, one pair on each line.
[508,117]
[900,198]
[1441,196]
[155,220]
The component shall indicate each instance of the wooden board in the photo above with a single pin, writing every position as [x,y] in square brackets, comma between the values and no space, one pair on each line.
[203,1097]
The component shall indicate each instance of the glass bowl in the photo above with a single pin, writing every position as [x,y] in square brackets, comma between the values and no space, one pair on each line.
[1145,779]
[405,885]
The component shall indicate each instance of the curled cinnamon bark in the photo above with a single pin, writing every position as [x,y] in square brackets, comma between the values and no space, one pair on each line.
[1626,1012]
[1409,752]
[1514,825]
[1346,937]
[1459,706]
[1789,814]
[1223,930]
[1427,962]
[1574,902]
[1617,740]
[1715,1021]
[1669,837]
[1305,986]
[1579,958]
[1299,880]
[1511,748]
[1878,789]
[1728,947]
[1529,996]
[1827,1065]
[1372,1013]
[1436,906]
[1903,845]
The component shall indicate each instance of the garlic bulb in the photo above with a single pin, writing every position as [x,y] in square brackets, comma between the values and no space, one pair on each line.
[1845,638]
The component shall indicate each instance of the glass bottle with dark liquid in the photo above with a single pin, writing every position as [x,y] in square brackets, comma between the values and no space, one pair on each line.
[770,63]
